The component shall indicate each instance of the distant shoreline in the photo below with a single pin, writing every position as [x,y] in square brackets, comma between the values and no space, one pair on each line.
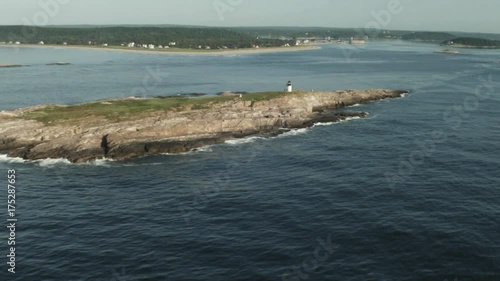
[172,51]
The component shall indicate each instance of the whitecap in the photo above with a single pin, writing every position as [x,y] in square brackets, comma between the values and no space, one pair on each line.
[6,159]
[243,141]
[52,162]
[207,148]
[294,132]
[103,162]
[340,121]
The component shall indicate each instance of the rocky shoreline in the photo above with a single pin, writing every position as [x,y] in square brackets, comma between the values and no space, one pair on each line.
[25,134]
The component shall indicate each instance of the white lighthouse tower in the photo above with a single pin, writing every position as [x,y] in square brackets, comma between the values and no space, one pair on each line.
[289,87]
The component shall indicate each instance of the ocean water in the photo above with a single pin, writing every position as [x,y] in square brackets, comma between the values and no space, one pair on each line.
[410,193]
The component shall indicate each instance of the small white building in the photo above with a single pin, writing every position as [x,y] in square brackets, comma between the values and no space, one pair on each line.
[151,46]
[41,43]
[64,43]
[172,43]
[289,87]
[160,47]
[105,44]
[131,44]
[17,43]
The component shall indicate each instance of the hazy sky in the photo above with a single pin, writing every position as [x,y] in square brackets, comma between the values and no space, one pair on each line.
[446,15]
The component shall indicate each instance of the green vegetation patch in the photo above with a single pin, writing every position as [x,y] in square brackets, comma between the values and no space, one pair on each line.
[126,109]
[263,96]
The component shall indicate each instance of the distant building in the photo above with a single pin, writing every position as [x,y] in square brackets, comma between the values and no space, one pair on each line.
[41,43]
[172,43]
[17,43]
[151,46]
[105,44]
[354,41]
[131,44]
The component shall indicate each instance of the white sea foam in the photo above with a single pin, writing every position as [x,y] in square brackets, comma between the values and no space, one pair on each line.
[294,132]
[333,123]
[103,162]
[243,141]
[52,162]
[5,159]
[207,148]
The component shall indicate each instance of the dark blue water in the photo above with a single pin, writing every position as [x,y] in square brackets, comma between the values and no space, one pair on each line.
[409,193]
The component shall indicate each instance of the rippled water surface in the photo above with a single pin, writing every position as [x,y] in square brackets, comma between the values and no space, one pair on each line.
[409,193]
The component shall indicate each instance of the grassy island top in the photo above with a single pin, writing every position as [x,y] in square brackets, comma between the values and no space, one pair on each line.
[124,109]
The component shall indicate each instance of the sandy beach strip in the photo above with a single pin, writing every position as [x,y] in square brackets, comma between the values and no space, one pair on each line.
[174,51]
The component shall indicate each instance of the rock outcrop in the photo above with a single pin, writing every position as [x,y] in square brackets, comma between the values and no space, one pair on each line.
[173,131]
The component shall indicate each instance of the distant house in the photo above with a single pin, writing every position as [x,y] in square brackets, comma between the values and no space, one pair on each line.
[354,41]
[41,43]
[105,44]
[160,47]
[64,43]
[172,43]
[151,46]
[131,45]
[18,43]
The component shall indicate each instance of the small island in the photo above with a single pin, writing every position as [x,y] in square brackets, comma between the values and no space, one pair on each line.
[126,128]
[11,65]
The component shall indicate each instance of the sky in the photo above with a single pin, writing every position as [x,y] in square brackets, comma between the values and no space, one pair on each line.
[430,15]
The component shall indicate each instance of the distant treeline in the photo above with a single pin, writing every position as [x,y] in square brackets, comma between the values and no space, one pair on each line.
[473,42]
[235,37]
[428,36]
[185,37]
[320,32]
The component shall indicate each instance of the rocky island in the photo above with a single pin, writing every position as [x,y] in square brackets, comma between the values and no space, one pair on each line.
[132,127]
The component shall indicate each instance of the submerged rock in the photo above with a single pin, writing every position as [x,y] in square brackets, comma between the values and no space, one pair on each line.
[59,63]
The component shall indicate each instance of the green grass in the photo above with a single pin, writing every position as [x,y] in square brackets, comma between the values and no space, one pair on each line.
[126,109]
